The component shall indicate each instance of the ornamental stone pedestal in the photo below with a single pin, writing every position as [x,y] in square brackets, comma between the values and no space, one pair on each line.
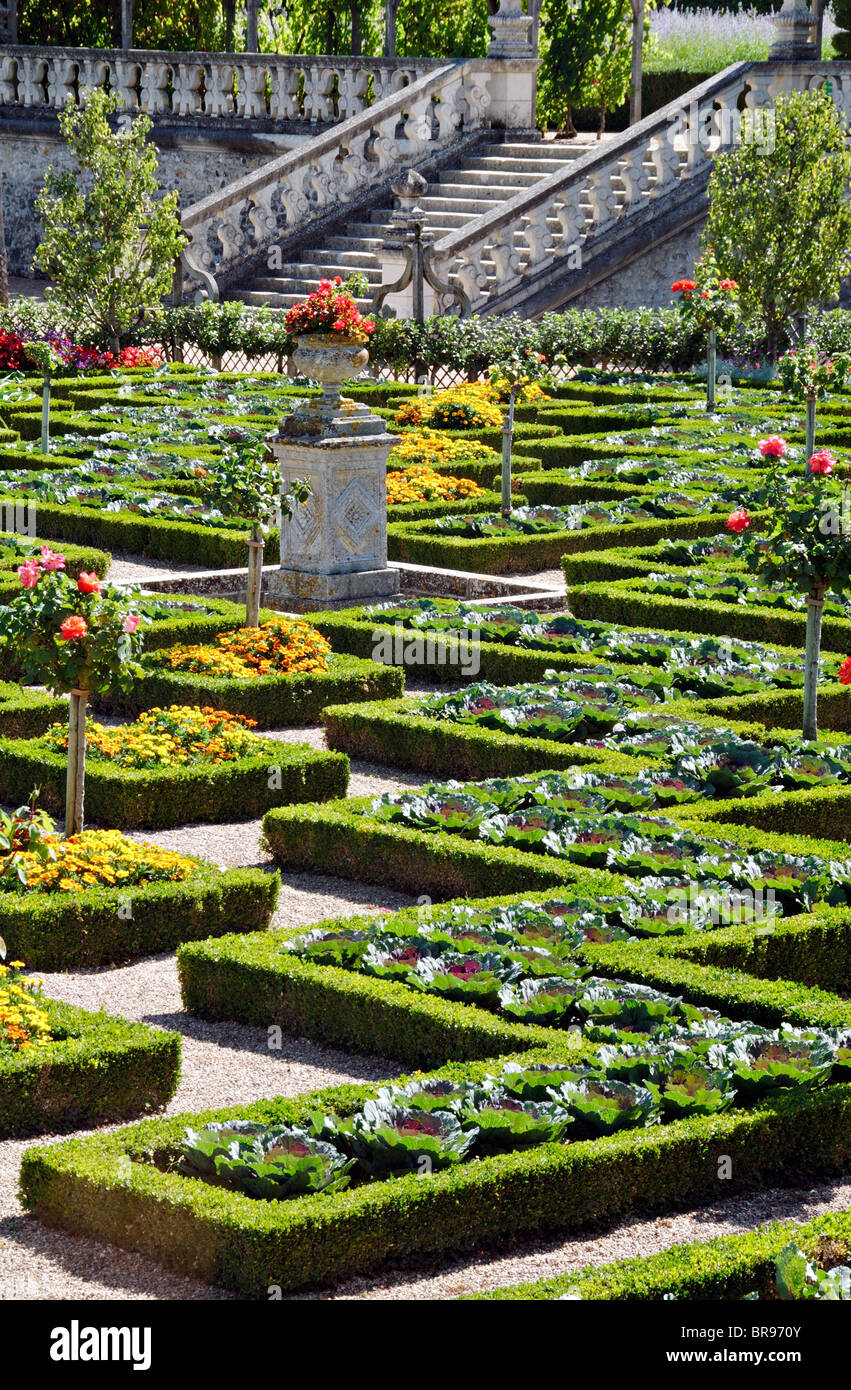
[334,550]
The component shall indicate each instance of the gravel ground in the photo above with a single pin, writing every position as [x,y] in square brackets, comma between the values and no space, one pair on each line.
[229,1063]
[136,569]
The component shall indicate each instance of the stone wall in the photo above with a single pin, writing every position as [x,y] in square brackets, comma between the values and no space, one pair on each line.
[195,163]
[647,280]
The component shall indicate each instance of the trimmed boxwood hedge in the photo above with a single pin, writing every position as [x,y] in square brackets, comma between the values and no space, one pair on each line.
[127,798]
[274,702]
[394,732]
[419,544]
[259,1247]
[335,838]
[725,1267]
[26,713]
[251,979]
[98,926]
[96,1069]
[180,541]
[614,603]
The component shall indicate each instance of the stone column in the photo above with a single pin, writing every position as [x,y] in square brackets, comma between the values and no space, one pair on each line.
[513,67]
[334,550]
[794,25]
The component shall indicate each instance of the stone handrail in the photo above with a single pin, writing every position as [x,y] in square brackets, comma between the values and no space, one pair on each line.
[232,228]
[531,234]
[246,86]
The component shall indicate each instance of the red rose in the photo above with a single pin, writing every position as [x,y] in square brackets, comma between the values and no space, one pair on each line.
[88,583]
[845,672]
[739,520]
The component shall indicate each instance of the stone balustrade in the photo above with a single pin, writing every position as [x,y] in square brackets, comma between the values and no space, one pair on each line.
[339,168]
[557,225]
[245,86]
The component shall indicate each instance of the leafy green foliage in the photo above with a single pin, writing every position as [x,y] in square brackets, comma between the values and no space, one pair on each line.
[108,242]
[779,220]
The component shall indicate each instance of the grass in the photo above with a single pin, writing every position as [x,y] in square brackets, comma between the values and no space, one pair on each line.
[703,41]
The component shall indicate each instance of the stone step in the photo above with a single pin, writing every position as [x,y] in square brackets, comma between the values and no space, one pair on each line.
[471,193]
[309,273]
[332,256]
[487,178]
[463,205]
[278,299]
[302,281]
[353,245]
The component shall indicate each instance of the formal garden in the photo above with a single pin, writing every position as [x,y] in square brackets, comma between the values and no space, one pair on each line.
[425,757]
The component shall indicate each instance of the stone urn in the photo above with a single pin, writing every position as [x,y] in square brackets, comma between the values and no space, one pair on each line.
[330,359]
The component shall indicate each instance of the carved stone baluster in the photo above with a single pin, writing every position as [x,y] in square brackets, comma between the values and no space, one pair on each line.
[417,135]
[127,78]
[251,95]
[92,73]
[8,78]
[531,241]
[294,201]
[186,98]
[571,217]
[261,214]
[469,273]
[154,98]
[60,83]
[32,76]
[218,99]
[666,163]
[228,231]
[451,111]
[635,180]
[602,196]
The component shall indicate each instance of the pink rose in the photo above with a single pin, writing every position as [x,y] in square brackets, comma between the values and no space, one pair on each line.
[772,448]
[131,622]
[28,574]
[822,462]
[50,559]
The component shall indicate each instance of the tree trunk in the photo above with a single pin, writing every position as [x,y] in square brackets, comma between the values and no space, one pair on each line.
[76,775]
[637,60]
[45,414]
[507,444]
[251,39]
[818,8]
[357,46]
[810,444]
[711,359]
[230,18]
[390,7]
[126,24]
[815,605]
[4,261]
[254,587]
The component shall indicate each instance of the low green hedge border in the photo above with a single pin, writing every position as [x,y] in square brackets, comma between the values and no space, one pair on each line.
[258,1248]
[249,978]
[126,798]
[418,544]
[725,1267]
[99,926]
[97,1069]
[613,603]
[77,557]
[393,732]
[26,713]
[274,702]
[335,838]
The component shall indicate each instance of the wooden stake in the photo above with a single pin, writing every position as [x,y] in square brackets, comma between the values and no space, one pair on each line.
[76,777]
[815,606]
[256,546]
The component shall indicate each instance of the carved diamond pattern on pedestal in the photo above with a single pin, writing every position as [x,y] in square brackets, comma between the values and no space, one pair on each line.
[355,514]
[303,530]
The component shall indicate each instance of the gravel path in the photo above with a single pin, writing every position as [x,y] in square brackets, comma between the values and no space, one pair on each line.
[229,1063]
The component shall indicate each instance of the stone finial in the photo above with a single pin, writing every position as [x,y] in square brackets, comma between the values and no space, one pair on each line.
[409,187]
[511,31]
[794,25]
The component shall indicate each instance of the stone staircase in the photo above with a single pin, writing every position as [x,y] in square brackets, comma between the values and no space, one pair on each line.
[461,191]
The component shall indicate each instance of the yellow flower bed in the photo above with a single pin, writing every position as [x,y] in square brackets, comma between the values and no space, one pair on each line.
[23,1017]
[103,858]
[424,485]
[180,734]
[278,648]
[461,408]
[428,448]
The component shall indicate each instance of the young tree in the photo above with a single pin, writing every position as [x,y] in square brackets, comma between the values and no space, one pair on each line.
[589,56]
[779,220]
[108,242]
